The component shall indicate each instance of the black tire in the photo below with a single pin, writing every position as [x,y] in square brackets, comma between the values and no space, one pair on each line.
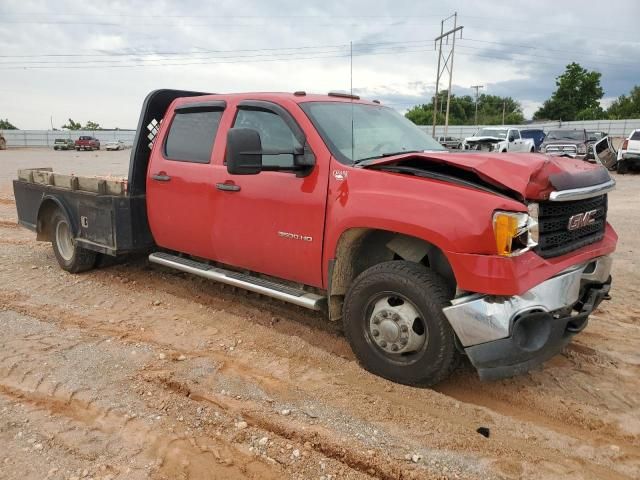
[71,257]
[426,293]
[623,167]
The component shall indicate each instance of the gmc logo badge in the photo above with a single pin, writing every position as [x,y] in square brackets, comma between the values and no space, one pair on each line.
[581,220]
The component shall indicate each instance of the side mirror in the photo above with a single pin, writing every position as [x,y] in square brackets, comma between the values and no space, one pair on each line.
[244,151]
[512,138]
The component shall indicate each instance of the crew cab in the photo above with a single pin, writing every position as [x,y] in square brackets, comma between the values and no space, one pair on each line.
[499,139]
[86,142]
[341,205]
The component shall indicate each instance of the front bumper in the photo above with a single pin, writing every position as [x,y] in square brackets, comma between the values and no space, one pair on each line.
[505,336]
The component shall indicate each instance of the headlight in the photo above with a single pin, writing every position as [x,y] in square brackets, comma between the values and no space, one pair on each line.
[582,149]
[515,232]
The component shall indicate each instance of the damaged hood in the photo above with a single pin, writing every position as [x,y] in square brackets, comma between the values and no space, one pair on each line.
[530,176]
[484,139]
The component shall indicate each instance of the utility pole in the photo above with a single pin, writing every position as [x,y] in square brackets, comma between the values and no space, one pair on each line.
[504,106]
[446,65]
[477,87]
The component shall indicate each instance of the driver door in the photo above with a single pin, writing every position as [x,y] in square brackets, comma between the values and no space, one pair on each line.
[272,222]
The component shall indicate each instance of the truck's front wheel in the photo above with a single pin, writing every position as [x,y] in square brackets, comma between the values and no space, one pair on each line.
[394,323]
[70,256]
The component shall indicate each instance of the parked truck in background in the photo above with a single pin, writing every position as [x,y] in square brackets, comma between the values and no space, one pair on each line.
[86,142]
[629,153]
[3,142]
[499,139]
[565,142]
[535,134]
[337,204]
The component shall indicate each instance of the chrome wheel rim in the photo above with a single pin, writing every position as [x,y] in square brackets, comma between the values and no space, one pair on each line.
[64,240]
[396,327]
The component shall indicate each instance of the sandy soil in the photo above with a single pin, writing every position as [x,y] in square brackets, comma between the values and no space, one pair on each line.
[134,371]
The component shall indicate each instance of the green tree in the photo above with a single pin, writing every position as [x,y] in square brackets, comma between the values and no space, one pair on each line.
[626,106]
[577,96]
[72,125]
[7,125]
[92,126]
[462,110]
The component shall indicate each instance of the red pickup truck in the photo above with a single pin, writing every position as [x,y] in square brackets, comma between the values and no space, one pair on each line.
[86,142]
[338,204]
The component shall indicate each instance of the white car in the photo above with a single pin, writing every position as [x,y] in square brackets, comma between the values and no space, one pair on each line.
[499,139]
[629,153]
[115,145]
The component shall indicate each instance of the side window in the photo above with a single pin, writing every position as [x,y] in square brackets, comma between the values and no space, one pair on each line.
[515,134]
[191,136]
[275,134]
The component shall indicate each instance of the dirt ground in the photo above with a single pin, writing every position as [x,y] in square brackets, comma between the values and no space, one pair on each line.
[134,371]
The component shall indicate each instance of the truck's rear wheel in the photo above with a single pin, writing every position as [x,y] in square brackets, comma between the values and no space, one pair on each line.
[70,256]
[394,323]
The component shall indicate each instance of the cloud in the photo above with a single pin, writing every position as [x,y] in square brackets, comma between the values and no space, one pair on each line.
[514,49]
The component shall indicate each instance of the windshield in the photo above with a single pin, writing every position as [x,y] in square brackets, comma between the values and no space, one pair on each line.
[376,131]
[491,132]
[566,135]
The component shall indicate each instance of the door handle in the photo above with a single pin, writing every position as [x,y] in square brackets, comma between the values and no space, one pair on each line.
[161,177]
[228,187]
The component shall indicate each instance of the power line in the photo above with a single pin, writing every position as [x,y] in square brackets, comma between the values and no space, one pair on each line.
[130,65]
[123,53]
[532,47]
[309,52]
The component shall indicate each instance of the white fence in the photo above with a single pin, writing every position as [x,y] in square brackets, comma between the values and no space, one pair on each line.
[45,138]
[615,128]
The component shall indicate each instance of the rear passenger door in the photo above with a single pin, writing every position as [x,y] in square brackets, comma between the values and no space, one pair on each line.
[180,187]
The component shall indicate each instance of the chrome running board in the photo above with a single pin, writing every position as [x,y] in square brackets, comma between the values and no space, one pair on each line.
[242,280]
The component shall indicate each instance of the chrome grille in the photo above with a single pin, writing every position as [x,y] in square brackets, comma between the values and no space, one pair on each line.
[561,149]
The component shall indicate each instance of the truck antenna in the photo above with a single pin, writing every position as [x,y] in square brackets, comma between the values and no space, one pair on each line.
[351,93]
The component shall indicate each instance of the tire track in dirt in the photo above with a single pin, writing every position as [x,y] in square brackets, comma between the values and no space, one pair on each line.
[290,368]
[176,454]
[235,368]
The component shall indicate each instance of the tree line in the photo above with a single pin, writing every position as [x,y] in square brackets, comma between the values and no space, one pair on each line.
[70,125]
[576,97]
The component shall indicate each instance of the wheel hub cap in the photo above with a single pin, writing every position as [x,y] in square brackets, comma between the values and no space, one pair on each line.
[64,240]
[395,326]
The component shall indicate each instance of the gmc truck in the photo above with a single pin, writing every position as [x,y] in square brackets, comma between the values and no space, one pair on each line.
[337,204]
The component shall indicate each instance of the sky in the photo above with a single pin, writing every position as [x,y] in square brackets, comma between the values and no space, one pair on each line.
[97,61]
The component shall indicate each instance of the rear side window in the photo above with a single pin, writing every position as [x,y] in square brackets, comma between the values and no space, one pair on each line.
[635,135]
[191,136]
